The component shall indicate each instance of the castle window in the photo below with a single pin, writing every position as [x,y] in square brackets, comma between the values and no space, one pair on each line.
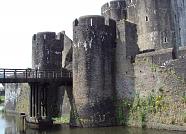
[165,39]
[76,22]
[147,18]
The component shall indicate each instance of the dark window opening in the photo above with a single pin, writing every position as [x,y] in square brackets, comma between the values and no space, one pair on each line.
[132,59]
[147,18]
[76,22]
[165,40]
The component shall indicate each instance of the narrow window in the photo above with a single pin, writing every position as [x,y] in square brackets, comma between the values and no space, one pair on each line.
[76,22]
[147,18]
[165,40]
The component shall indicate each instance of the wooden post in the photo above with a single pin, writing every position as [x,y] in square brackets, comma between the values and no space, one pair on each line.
[15,71]
[31,95]
[53,74]
[44,75]
[36,73]
[44,103]
[34,100]
[4,73]
[61,74]
[26,74]
[37,99]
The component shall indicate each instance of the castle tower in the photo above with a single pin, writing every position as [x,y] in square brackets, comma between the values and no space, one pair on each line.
[47,50]
[115,10]
[46,55]
[94,40]
[126,48]
[155,23]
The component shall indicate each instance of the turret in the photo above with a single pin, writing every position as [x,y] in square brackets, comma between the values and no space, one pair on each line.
[115,10]
[47,50]
[93,50]
[155,23]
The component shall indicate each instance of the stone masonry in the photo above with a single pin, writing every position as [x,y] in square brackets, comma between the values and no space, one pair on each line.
[129,66]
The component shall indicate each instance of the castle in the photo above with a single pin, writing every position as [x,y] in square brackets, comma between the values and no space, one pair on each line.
[124,62]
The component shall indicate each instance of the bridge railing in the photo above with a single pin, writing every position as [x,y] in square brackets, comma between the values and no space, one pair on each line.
[33,74]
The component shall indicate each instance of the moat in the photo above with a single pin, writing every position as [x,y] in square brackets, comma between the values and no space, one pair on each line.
[11,124]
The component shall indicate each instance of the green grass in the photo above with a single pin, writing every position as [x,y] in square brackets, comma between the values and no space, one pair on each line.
[2,99]
[61,119]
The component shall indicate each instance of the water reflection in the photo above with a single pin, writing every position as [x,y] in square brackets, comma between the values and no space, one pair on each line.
[10,124]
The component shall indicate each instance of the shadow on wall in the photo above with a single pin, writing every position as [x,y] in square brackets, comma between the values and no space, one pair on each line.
[66,105]
[132,48]
[125,95]
[126,51]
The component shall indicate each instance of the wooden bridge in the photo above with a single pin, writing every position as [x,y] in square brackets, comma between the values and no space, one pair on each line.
[43,86]
[33,75]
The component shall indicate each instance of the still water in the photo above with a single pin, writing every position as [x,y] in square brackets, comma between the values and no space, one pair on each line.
[10,124]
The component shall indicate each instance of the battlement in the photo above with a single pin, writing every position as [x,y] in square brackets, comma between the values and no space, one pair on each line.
[115,10]
[47,36]
[117,4]
[93,20]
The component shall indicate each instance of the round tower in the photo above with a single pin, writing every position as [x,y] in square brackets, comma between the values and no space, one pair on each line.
[155,23]
[94,40]
[47,50]
[46,55]
[115,10]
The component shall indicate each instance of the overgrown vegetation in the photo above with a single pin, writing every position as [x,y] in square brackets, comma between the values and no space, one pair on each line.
[2,99]
[141,107]
[62,119]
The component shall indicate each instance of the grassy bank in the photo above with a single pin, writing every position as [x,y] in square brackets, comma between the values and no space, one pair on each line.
[2,99]
[61,120]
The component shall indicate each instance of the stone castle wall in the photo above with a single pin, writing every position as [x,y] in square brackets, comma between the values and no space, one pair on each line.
[124,70]
[155,22]
[47,50]
[160,96]
[93,60]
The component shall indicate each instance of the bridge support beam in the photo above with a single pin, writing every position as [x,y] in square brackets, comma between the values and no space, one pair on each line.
[36,100]
[44,101]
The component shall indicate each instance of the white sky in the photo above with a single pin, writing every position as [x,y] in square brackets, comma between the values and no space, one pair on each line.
[20,19]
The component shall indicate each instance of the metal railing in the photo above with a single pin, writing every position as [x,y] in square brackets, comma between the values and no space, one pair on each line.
[33,74]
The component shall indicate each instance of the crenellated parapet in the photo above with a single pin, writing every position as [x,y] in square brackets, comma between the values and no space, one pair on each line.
[115,10]
[47,50]
[95,28]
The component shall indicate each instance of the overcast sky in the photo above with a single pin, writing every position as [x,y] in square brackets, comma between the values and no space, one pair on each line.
[20,19]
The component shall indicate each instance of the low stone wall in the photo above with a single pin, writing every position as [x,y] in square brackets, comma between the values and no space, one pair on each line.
[160,97]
